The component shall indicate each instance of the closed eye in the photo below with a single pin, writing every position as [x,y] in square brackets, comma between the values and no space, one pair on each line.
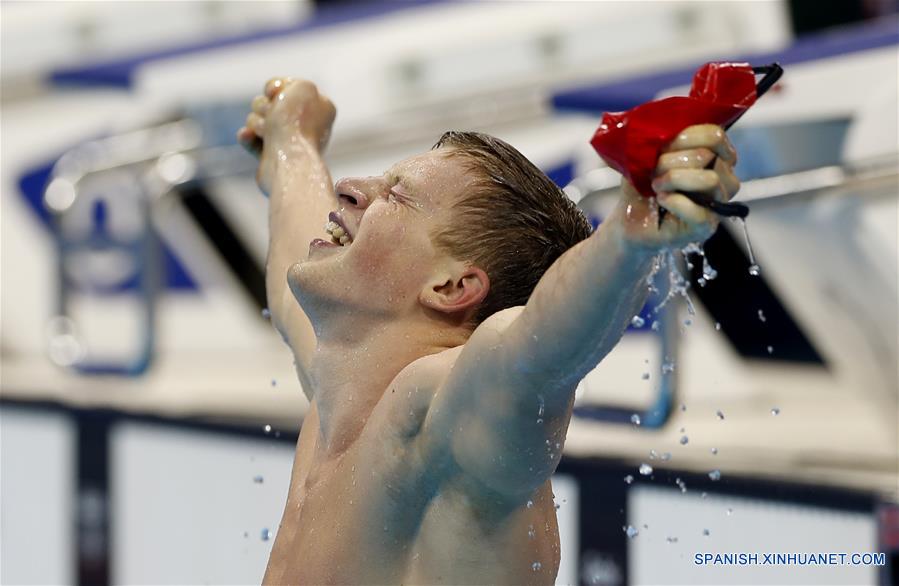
[396,198]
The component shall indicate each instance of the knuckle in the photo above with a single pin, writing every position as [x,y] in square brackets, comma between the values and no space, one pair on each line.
[705,155]
[709,178]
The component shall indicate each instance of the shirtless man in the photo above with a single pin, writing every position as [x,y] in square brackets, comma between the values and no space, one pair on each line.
[438,353]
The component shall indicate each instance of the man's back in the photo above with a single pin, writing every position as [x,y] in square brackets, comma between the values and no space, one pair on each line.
[381,513]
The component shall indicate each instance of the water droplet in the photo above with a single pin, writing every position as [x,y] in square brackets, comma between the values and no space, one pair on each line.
[717,326]
[531,533]
[683,440]
[530,504]
[775,411]
[558,506]
[681,484]
[715,475]
[645,469]
[539,420]
[720,415]
[631,531]
[714,451]
[730,511]
[762,317]
[266,313]
[635,419]
[652,454]
[655,325]
[274,382]
[628,479]
[668,367]
[671,539]
[708,273]
[258,479]
[688,322]
[638,321]
[770,349]
[267,428]
[705,532]
[703,495]
[536,566]
[540,408]
[752,263]
[645,376]
[665,456]
[266,534]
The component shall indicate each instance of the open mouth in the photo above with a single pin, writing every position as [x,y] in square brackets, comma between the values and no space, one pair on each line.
[339,234]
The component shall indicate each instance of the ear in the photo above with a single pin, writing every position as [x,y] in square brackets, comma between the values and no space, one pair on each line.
[457,290]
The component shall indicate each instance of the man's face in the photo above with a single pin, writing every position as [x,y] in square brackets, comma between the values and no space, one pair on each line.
[390,257]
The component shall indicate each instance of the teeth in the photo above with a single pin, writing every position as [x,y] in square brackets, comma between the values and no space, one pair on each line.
[338,234]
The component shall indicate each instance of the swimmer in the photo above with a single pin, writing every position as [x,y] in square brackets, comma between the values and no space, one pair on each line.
[441,316]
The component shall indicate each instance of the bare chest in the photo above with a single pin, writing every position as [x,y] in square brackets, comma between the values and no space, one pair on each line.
[367,524]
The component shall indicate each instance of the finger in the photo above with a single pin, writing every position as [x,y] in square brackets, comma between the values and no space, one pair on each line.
[687,159]
[730,182]
[275,85]
[687,211]
[249,141]
[710,136]
[244,134]
[702,181]
[256,123]
[260,105]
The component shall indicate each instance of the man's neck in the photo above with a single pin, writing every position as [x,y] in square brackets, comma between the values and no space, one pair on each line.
[349,375]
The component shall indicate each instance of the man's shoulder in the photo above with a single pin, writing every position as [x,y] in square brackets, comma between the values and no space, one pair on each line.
[429,370]
[436,366]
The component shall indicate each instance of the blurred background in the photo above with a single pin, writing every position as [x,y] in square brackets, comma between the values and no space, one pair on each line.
[148,410]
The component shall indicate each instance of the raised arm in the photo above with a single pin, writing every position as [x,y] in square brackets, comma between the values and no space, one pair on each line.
[505,406]
[288,129]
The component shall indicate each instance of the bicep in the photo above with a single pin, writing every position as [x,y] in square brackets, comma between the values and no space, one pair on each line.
[500,423]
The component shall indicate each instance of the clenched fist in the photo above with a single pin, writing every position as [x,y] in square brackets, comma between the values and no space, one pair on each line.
[699,160]
[290,114]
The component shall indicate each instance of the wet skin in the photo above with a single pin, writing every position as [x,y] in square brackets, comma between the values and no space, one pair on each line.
[426,454]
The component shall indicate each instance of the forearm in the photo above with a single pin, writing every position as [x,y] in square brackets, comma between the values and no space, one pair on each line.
[302,195]
[581,307]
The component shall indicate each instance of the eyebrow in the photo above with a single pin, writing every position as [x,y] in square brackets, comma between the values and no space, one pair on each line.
[395,178]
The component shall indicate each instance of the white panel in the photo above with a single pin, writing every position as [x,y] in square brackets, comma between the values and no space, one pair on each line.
[185,506]
[737,525]
[36,510]
[565,489]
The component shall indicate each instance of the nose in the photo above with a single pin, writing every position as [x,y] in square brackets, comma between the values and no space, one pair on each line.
[357,192]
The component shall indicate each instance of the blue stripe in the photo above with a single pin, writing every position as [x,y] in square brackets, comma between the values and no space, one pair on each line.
[120,72]
[627,93]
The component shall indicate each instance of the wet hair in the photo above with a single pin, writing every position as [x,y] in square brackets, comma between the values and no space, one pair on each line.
[513,223]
